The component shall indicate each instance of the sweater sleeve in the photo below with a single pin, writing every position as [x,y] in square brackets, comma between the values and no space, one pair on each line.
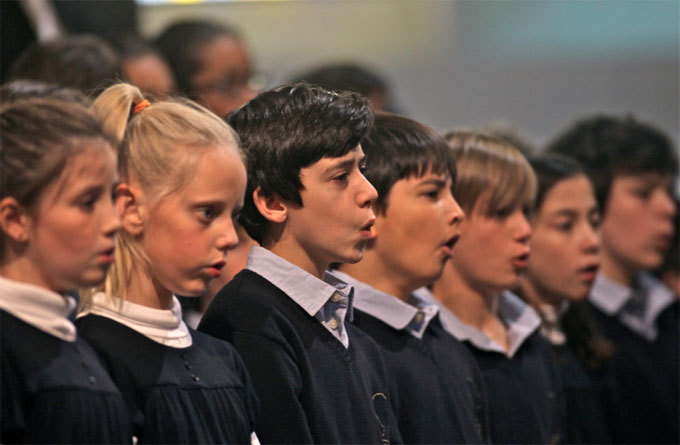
[278,384]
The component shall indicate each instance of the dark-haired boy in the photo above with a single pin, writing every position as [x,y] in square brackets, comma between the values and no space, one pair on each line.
[318,378]
[436,387]
[634,168]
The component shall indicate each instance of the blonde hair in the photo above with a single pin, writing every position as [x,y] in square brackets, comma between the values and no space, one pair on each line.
[159,146]
[492,168]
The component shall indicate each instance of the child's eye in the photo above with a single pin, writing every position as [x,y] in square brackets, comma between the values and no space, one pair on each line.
[565,226]
[432,194]
[88,203]
[207,213]
[502,213]
[341,177]
[642,193]
[236,215]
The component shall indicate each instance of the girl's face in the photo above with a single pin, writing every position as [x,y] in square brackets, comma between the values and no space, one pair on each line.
[565,242]
[188,232]
[71,236]
[493,250]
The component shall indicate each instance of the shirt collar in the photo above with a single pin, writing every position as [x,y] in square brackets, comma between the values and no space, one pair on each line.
[413,316]
[164,326]
[39,307]
[519,317]
[309,292]
[615,299]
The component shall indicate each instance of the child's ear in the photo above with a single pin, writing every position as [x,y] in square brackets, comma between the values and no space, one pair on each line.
[130,208]
[273,208]
[15,220]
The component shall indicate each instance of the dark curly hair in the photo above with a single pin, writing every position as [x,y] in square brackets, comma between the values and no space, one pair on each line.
[608,146]
[289,128]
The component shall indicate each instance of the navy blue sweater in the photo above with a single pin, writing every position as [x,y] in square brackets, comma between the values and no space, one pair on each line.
[437,389]
[311,388]
[55,391]
[642,381]
[525,403]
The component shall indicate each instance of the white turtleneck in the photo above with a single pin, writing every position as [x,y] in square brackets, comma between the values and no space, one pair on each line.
[164,326]
[39,307]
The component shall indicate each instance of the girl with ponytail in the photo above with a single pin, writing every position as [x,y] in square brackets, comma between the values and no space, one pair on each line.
[182,185]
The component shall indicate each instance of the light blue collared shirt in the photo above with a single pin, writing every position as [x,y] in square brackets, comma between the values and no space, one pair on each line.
[328,300]
[412,317]
[520,318]
[637,309]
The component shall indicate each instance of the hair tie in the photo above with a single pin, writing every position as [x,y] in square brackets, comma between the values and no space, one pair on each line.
[141,106]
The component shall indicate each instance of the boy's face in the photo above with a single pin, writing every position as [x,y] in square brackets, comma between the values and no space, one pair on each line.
[637,227]
[493,251]
[417,232]
[335,222]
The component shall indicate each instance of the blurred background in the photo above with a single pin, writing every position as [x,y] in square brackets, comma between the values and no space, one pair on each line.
[534,66]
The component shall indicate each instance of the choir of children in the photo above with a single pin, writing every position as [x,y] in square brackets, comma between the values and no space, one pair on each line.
[401,287]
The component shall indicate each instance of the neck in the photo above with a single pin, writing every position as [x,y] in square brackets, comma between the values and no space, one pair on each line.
[616,270]
[22,270]
[144,290]
[472,305]
[536,297]
[295,254]
[379,275]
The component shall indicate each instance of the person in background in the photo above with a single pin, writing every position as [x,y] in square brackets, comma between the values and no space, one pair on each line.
[496,188]
[437,388]
[182,184]
[210,62]
[633,167]
[352,77]
[83,62]
[565,258]
[57,173]
[143,67]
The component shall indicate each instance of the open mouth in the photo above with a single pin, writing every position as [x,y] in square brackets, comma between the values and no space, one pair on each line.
[214,269]
[448,245]
[589,272]
[521,261]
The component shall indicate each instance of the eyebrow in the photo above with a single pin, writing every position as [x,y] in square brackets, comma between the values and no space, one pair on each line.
[348,163]
[440,182]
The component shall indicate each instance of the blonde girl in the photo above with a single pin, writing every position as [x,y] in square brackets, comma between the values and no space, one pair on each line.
[57,174]
[182,184]
[495,188]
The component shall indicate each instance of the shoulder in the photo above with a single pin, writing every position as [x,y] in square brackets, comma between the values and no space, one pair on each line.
[251,304]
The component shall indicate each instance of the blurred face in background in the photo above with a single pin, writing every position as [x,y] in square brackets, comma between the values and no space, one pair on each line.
[637,225]
[565,243]
[150,73]
[225,81]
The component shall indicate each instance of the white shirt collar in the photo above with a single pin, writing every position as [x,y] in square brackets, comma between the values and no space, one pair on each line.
[39,307]
[164,326]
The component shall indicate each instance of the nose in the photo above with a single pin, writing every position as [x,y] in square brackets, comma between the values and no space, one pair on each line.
[522,227]
[111,219]
[227,238]
[456,213]
[591,239]
[665,204]
[367,194]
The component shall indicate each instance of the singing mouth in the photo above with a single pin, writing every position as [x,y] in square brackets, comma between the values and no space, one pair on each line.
[452,241]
